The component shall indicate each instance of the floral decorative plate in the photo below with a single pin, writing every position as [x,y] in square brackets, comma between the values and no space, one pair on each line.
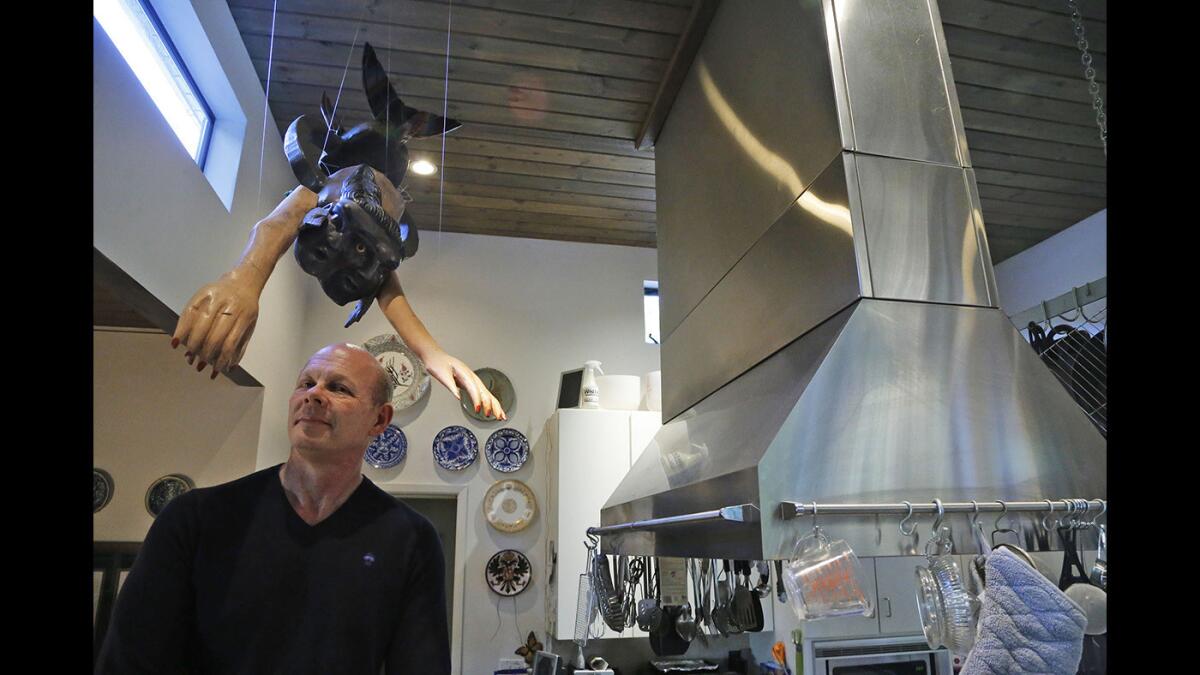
[102,489]
[455,448]
[508,572]
[410,381]
[509,505]
[388,449]
[164,490]
[500,386]
[506,450]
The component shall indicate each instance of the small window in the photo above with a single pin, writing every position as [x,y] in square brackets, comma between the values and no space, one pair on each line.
[138,34]
[650,305]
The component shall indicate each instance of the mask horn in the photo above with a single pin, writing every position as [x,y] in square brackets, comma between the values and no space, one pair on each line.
[302,145]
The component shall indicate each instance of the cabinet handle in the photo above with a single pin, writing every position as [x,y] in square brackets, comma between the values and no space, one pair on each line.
[887,612]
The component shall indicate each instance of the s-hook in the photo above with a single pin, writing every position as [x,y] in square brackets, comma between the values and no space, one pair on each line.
[905,519]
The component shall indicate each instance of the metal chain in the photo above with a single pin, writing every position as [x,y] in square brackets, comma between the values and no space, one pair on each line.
[1089,72]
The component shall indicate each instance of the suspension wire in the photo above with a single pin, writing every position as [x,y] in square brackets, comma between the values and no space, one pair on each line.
[262,151]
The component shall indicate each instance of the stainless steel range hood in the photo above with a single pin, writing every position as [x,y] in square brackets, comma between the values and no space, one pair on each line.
[828,301]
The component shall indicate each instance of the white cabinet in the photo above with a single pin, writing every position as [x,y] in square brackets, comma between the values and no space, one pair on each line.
[590,452]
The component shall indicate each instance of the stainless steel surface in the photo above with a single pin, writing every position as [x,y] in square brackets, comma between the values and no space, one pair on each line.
[745,137]
[920,229]
[790,509]
[849,655]
[960,132]
[742,513]
[893,65]
[834,43]
[799,273]
[989,272]
[886,402]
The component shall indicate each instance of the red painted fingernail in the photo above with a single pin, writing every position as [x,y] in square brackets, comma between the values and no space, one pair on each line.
[174,343]
[201,366]
[188,354]
[478,407]
[214,375]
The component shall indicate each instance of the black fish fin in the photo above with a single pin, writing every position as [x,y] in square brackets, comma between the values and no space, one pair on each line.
[426,124]
[380,94]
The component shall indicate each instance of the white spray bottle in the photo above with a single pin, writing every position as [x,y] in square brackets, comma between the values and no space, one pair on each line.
[589,393]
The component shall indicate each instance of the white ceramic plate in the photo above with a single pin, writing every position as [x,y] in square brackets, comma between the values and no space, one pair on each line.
[410,381]
[509,506]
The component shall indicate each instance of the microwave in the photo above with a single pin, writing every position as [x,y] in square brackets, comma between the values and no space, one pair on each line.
[904,655]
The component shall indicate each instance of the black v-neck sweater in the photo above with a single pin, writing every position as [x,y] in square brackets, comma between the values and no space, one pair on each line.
[231,580]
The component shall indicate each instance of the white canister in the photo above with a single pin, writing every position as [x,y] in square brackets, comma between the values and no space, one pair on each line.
[652,391]
[620,392]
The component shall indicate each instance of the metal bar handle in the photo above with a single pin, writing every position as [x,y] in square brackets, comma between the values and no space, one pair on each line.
[740,513]
[789,510]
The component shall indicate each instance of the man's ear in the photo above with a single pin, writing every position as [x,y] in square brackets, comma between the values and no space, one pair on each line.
[383,419]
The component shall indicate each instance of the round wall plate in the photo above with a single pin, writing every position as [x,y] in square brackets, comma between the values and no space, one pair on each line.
[164,490]
[508,572]
[455,448]
[388,449]
[410,380]
[500,386]
[506,450]
[509,505]
[102,489]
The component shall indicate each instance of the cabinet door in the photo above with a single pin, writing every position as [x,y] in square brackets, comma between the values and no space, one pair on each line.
[897,581]
[849,626]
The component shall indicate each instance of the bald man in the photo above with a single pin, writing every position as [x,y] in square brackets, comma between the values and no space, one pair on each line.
[304,567]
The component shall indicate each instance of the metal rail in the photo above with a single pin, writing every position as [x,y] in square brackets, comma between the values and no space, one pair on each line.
[790,510]
[741,513]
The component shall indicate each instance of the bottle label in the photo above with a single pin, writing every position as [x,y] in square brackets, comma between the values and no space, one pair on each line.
[591,394]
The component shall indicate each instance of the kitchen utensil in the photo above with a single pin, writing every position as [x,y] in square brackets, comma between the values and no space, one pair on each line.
[823,579]
[779,651]
[744,599]
[780,591]
[608,598]
[1099,572]
[758,619]
[948,611]
[763,588]
[697,600]
[685,625]
[666,641]
[720,613]
[1073,581]
[731,594]
[649,614]
[585,613]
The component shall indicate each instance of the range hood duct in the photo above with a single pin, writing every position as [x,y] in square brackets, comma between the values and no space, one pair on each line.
[828,301]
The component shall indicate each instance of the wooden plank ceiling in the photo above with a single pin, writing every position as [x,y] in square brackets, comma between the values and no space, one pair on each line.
[552,94]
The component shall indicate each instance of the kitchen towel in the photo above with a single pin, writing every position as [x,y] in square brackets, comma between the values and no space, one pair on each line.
[1026,624]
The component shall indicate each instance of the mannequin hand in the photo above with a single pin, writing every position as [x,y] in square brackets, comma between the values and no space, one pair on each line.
[217,323]
[455,375]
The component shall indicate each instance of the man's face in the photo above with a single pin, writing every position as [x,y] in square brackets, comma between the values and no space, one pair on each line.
[343,244]
[332,412]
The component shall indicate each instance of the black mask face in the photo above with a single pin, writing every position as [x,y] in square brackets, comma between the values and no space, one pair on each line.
[352,240]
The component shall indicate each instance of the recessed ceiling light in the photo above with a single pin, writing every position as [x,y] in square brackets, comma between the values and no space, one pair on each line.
[423,168]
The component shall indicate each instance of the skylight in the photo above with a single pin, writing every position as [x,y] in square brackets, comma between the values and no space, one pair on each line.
[139,36]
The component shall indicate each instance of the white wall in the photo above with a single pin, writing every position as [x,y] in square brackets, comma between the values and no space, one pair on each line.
[152,415]
[532,309]
[1073,257]
[157,216]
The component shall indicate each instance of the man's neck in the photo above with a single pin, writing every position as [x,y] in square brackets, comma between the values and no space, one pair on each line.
[316,489]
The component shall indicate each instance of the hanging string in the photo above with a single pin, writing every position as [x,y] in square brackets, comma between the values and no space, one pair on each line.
[445,112]
[262,152]
[342,84]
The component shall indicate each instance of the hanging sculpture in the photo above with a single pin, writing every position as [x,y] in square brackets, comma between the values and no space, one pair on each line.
[350,230]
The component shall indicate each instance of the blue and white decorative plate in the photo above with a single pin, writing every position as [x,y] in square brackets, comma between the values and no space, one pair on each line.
[455,448]
[388,449]
[506,450]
